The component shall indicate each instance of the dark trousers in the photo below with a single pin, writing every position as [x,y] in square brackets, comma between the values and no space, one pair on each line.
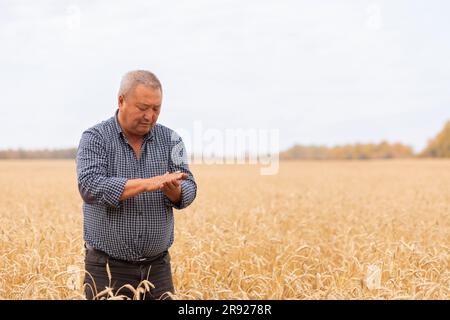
[156,270]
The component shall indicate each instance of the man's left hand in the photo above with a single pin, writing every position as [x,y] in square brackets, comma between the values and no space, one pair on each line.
[172,189]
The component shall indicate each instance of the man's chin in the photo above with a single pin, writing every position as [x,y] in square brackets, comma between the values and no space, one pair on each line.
[143,130]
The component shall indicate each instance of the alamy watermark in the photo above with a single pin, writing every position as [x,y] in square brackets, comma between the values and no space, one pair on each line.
[228,146]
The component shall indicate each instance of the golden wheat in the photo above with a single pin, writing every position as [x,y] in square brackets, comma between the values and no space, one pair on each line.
[317,230]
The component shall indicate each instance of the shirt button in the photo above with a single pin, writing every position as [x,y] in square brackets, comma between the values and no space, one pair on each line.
[140,213]
[140,236]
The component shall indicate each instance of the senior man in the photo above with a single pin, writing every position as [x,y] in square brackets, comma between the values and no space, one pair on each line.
[132,172]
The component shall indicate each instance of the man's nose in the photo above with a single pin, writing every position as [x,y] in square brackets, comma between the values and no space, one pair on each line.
[149,115]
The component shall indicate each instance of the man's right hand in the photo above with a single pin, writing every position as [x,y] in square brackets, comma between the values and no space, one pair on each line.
[155,183]
[133,187]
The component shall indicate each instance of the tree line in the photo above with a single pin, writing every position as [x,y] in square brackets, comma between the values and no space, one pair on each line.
[69,153]
[438,147]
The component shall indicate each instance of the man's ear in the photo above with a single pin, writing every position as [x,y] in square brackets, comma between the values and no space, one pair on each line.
[120,101]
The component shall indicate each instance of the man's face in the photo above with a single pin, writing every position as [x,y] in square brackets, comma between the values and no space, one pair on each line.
[139,110]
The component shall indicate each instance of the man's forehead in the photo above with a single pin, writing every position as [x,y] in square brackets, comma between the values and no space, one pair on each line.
[148,96]
[140,89]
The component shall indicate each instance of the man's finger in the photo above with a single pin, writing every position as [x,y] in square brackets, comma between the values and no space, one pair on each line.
[178,176]
[172,185]
[182,176]
[165,184]
[176,183]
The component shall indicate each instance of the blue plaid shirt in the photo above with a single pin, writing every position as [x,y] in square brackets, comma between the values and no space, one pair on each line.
[141,226]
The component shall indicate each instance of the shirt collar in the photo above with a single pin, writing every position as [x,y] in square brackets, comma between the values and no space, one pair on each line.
[148,136]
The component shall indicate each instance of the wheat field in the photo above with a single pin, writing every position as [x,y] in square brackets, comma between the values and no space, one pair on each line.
[317,230]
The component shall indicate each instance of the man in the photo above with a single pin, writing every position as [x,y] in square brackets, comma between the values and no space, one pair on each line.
[132,172]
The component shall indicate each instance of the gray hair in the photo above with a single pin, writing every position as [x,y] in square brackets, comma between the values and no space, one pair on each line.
[132,79]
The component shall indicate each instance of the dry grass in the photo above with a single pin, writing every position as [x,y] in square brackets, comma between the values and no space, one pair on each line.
[318,230]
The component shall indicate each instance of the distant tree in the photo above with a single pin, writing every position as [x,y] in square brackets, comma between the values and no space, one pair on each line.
[38,154]
[439,147]
[383,150]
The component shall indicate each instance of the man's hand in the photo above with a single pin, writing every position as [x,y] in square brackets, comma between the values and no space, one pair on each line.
[158,182]
[172,187]
[168,183]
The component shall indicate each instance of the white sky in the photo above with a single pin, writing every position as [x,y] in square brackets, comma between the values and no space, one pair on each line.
[322,72]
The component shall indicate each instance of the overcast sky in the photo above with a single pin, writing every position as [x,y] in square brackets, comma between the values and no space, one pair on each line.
[321,72]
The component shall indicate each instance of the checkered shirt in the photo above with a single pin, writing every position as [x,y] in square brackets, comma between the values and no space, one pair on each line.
[141,226]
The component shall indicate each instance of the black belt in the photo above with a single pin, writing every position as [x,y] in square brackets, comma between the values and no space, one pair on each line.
[140,260]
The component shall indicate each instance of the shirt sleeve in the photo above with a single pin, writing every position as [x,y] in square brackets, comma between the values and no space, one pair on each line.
[94,185]
[178,161]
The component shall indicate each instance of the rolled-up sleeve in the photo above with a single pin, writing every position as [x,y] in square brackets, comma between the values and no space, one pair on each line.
[178,161]
[94,185]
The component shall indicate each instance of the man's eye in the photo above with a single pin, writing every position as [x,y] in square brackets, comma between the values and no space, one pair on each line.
[147,108]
